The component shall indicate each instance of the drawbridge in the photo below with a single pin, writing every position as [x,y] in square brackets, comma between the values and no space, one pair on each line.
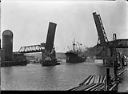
[48,46]
[110,53]
[103,41]
[106,82]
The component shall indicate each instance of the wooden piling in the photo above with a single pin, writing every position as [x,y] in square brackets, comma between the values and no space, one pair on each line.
[108,78]
[86,80]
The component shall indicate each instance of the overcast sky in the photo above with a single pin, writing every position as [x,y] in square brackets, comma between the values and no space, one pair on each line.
[29,20]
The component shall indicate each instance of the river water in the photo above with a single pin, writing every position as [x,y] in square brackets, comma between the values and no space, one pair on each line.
[60,77]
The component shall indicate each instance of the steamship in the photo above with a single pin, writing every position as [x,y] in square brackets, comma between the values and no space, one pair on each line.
[75,55]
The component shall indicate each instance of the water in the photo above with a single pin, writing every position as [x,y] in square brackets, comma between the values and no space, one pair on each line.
[60,77]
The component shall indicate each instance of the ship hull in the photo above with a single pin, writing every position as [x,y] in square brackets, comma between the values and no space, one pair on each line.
[74,58]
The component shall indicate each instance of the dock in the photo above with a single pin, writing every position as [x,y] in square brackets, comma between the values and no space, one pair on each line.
[99,83]
[92,83]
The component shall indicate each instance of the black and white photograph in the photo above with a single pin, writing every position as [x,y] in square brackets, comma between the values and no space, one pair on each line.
[64,45]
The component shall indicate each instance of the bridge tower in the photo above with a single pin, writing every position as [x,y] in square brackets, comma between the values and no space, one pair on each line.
[7,45]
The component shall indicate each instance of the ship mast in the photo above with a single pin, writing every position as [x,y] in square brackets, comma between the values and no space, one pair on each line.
[74,45]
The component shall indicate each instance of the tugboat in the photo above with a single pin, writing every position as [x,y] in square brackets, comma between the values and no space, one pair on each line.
[74,55]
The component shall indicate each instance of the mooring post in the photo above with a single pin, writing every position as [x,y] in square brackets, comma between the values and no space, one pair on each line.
[115,71]
[108,78]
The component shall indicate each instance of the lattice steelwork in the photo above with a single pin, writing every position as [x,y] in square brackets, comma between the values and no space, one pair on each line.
[48,46]
[32,48]
[119,43]
[102,38]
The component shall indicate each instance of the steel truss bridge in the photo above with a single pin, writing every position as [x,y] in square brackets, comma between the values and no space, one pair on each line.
[48,46]
[32,48]
[118,43]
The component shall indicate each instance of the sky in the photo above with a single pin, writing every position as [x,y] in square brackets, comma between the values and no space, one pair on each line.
[29,20]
